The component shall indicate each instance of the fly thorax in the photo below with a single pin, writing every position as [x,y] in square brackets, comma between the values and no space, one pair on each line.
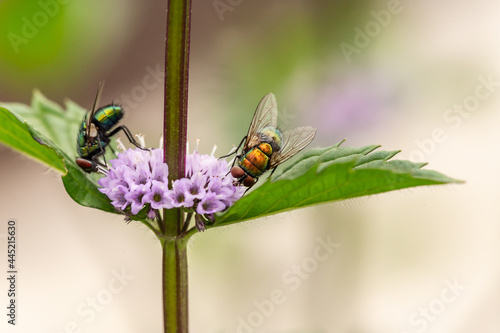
[272,136]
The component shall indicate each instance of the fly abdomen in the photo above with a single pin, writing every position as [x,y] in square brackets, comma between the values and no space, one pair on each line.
[107,117]
[256,161]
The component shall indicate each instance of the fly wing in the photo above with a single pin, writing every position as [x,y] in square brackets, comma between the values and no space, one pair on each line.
[294,141]
[266,114]
[94,107]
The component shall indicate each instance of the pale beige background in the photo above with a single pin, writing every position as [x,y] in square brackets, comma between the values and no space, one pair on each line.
[396,250]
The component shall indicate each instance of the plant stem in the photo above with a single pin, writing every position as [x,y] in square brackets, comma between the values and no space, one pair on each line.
[174,262]
[175,283]
[176,86]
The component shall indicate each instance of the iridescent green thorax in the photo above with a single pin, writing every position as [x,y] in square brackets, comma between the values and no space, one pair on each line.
[107,117]
[273,134]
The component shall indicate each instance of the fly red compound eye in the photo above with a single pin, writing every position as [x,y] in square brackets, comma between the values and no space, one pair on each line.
[237,172]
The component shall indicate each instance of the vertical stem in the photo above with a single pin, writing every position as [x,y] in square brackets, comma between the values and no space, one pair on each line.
[176,97]
[176,85]
[175,282]
[174,263]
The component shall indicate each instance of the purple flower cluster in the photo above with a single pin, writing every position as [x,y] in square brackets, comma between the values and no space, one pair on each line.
[139,179]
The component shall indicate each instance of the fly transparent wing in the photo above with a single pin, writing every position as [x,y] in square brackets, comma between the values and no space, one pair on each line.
[294,141]
[266,114]
[94,107]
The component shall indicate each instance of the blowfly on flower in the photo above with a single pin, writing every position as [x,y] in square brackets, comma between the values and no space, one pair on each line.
[265,146]
[95,132]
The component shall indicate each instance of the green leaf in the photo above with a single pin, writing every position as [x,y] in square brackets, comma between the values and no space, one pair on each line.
[48,118]
[17,135]
[329,175]
[83,189]
[47,133]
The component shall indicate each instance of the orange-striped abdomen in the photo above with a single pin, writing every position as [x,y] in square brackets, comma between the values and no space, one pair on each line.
[256,161]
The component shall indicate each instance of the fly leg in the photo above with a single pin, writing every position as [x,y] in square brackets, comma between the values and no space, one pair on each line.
[274,169]
[127,134]
[236,157]
[112,150]
[234,152]
[102,153]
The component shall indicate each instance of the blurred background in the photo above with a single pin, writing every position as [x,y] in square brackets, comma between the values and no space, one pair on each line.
[420,76]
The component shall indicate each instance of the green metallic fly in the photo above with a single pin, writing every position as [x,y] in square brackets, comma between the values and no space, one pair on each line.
[266,146]
[95,132]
